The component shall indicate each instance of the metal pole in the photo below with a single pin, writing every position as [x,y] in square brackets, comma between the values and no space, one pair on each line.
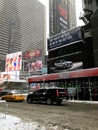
[77,89]
[6,105]
[90,89]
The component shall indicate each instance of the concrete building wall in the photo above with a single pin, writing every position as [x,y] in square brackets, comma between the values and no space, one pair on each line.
[72,13]
[22,26]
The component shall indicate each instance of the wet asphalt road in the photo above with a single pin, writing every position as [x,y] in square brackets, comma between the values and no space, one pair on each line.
[68,116]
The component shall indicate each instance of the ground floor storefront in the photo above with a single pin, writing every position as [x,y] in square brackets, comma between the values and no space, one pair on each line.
[80,85]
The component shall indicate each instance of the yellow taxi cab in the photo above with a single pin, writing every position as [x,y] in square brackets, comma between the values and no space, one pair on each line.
[13,97]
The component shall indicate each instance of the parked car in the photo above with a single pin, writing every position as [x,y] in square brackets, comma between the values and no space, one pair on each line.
[48,95]
[13,97]
[62,64]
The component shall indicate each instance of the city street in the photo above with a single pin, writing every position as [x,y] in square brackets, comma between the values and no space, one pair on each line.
[50,46]
[68,116]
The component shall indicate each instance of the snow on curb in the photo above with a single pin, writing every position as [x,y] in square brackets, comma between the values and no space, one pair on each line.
[14,123]
[81,101]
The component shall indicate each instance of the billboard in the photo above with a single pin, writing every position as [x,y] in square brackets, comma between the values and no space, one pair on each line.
[32,61]
[9,76]
[65,63]
[13,62]
[62,7]
[58,16]
[32,53]
[65,38]
[33,65]
[69,51]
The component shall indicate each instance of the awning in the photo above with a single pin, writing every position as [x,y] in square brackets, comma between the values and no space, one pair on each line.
[65,75]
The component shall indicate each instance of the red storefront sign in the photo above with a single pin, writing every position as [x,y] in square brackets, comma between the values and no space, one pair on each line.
[65,75]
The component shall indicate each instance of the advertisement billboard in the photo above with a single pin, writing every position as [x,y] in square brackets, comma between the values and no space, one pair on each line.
[32,53]
[69,51]
[58,16]
[9,76]
[32,61]
[33,65]
[13,62]
[62,7]
[65,38]
[66,63]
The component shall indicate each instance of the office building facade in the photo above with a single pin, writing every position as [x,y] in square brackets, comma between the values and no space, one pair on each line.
[72,13]
[91,14]
[22,26]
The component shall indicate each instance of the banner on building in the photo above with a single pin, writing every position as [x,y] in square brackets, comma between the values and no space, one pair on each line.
[58,16]
[13,62]
[33,65]
[32,53]
[9,76]
[65,38]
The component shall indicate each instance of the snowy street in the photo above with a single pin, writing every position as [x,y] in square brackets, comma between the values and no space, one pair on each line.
[68,116]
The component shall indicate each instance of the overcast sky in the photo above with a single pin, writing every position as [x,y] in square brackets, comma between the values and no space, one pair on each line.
[78,11]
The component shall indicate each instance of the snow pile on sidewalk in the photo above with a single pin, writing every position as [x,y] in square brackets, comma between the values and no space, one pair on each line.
[14,123]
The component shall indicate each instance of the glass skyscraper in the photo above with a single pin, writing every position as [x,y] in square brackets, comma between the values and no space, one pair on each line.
[22,26]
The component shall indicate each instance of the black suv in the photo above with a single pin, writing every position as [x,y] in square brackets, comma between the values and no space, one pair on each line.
[48,95]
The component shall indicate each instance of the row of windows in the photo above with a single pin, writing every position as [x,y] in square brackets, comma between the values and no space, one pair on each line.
[29,23]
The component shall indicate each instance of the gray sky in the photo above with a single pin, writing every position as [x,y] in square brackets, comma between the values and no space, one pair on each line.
[78,11]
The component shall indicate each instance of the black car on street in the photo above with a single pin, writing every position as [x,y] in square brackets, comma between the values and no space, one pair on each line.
[48,95]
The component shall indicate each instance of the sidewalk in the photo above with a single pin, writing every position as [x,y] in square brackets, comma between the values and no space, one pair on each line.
[82,101]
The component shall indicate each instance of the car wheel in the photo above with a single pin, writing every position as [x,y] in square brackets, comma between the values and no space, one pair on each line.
[29,100]
[49,101]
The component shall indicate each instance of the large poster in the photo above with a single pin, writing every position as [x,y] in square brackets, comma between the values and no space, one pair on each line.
[65,64]
[33,65]
[9,76]
[62,7]
[67,51]
[32,53]
[58,16]
[13,62]
[32,61]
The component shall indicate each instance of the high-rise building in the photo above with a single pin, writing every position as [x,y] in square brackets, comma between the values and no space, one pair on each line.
[90,8]
[22,26]
[72,13]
